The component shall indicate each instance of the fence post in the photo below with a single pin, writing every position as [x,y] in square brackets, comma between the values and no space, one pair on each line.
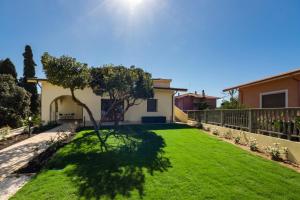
[250,121]
[289,130]
[222,118]
[205,116]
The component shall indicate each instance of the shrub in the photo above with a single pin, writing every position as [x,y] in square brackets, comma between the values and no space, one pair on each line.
[4,131]
[237,140]
[46,127]
[199,125]
[228,135]
[14,102]
[253,144]
[276,152]
[216,132]
[207,129]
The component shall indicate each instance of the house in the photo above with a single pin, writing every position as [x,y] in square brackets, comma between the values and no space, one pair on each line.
[57,104]
[193,101]
[278,91]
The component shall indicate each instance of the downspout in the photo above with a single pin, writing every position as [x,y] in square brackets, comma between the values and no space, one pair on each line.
[173,104]
[172,119]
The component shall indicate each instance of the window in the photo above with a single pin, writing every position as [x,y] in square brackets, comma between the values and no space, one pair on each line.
[274,99]
[152,105]
[108,117]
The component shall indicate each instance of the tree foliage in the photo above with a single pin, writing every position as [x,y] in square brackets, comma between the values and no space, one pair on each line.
[233,102]
[70,74]
[14,104]
[124,86]
[66,72]
[203,105]
[29,64]
[121,84]
[7,67]
[29,72]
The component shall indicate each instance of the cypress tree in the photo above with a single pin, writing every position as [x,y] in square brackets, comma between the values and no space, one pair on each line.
[7,67]
[29,72]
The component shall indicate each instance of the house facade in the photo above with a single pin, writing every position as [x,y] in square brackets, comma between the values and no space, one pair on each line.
[278,91]
[193,101]
[57,104]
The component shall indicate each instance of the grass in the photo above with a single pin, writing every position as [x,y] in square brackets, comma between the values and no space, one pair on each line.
[163,162]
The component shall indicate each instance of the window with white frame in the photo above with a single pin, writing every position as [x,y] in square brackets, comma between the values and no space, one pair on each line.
[276,99]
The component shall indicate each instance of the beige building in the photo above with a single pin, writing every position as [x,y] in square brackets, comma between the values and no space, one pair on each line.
[57,104]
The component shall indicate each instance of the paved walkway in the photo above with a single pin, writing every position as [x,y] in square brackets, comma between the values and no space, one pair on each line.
[18,155]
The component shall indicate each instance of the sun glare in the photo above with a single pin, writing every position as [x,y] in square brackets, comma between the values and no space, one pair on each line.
[133,4]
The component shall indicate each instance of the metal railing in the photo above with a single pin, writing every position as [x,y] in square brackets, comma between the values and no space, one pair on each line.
[281,122]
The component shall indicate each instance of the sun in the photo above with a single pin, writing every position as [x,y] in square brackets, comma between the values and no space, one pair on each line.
[133,4]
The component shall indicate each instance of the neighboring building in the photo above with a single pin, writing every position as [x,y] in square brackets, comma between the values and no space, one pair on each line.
[192,101]
[57,104]
[278,91]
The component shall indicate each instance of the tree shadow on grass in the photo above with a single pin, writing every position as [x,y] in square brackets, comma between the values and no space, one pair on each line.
[118,171]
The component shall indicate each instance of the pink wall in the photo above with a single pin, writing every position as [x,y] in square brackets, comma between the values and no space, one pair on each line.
[250,96]
[186,103]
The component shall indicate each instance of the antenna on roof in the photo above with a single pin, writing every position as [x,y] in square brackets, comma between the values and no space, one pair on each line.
[203,93]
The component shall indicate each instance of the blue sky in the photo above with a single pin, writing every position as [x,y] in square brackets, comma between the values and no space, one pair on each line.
[200,44]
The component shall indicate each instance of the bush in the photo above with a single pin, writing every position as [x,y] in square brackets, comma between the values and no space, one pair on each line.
[253,144]
[199,125]
[216,132]
[237,140]
[276,152]
[42,128]
[228,135]
[207,129]
[14,102]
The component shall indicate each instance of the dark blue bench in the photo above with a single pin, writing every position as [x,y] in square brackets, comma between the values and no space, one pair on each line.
[153,120]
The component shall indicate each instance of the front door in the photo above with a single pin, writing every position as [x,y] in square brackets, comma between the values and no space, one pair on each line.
[108,117]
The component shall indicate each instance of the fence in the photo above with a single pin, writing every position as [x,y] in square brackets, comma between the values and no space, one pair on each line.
[282,122]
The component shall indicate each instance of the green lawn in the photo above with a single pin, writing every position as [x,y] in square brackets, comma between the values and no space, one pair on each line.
[164,162]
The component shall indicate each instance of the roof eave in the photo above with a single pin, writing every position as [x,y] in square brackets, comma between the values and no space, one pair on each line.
[169,88]
[273,78]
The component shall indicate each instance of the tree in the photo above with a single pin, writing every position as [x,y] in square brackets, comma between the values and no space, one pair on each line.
[125,87]
[14,104]
[29,64]
[203,105]
[29,72]
[130,84]
[233,102]
[7,67]
[68,73]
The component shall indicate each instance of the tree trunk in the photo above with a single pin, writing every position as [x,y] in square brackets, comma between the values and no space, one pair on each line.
[96,127]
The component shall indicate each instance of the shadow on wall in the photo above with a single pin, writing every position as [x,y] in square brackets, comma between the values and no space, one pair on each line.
[118,171]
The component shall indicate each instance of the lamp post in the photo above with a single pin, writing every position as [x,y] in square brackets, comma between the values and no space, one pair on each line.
[29,125]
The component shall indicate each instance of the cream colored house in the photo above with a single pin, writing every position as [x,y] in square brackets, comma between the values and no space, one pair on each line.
[57,104]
